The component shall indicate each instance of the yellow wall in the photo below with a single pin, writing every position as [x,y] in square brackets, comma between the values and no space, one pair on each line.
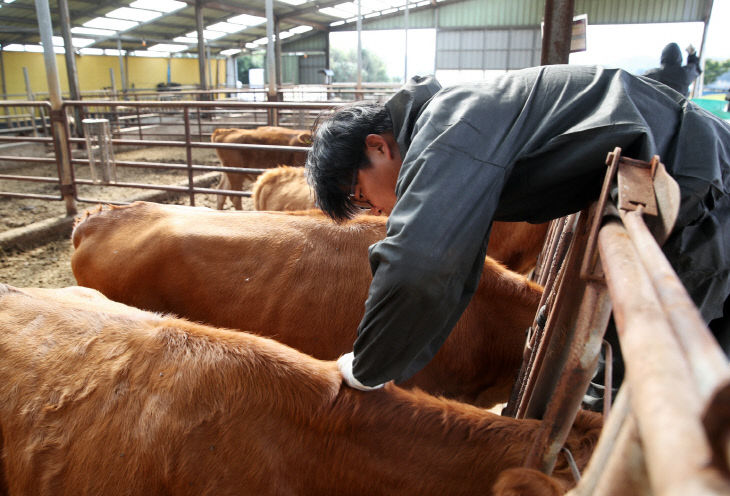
[93,72]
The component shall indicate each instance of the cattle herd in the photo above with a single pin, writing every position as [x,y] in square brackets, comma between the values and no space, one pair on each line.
[197,358]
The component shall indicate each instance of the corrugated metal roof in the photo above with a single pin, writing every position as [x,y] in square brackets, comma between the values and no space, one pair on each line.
[509,13]
[18,21]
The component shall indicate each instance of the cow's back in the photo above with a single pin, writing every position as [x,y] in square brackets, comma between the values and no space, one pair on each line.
[296,277]
[283,189]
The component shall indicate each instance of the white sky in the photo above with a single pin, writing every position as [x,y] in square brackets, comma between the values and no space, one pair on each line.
[635,48]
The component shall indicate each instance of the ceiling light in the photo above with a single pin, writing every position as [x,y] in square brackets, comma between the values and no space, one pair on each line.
[134,14]
[227,27]
[92,31]
[107,23]
[300,29]
[165,6]
[145,53]
[247,20]
[167,47]
[207,35]
[77,42]
[186,39]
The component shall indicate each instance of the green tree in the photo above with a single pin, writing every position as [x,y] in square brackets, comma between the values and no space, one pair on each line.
[344,65]
[246,62]
[714,69]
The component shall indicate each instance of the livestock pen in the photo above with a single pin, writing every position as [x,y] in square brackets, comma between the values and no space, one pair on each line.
[638,452]
[161,151]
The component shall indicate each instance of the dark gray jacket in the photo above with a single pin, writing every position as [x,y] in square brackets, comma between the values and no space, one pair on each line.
[672,72]
[529,145]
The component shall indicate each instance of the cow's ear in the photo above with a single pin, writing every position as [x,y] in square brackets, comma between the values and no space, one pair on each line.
[305,138]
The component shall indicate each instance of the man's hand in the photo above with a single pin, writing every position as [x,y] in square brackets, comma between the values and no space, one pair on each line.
[690,49]
[344,363]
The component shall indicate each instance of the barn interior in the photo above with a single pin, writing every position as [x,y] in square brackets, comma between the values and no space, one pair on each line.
[108,102]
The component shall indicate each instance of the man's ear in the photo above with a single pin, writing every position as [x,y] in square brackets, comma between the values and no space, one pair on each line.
[379,143]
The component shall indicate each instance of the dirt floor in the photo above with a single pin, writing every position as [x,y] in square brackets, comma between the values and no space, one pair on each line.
[49,265]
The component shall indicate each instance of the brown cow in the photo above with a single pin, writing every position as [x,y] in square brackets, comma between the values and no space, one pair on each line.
[97,398]
[298,278]
[284,189]
[255,159]
[515,244]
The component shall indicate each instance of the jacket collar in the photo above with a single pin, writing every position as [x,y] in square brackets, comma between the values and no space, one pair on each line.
[406,105]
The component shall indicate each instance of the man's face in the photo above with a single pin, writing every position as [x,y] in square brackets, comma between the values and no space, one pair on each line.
[376,182]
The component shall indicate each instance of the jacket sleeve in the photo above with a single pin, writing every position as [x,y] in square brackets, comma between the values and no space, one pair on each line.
[427,268]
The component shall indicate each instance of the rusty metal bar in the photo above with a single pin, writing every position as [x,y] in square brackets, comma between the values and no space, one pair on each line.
[606,448]
[624,471]
[164,166]
[214,104]
[542,380]
[662,395]
[557,248]
[557,31]
[29,139]
[37,160]
[202,144]
[580,365]
[30,195]
[708,363]
[30,179]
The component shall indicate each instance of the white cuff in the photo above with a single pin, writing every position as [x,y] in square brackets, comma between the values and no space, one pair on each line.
[344,363]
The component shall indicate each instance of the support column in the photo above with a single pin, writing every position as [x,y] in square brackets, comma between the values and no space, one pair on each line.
[122,72]
[359,52]
[71,72]
[58,118]
[277,51]
[557,31]
[271,61]
[405,56]
[201,48]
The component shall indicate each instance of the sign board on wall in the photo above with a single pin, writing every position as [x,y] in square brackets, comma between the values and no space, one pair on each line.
[578,37]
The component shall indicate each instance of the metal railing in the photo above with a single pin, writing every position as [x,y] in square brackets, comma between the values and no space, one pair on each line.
[138,124]
[669,429]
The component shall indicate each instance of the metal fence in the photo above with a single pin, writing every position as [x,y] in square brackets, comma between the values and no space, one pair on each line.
[138,124]
[669,430]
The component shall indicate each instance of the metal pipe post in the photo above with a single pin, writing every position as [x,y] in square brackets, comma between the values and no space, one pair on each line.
[29,96]
[201,48]
[277,51]
[113,83]
[58,120]
[697,84]
[2,74]
[71,71]
[557,31]
[359,50]
[405,56]
[122,72]
[663,397]
[271,60]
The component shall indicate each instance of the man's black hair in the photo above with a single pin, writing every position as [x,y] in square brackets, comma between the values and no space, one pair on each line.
[338,151]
